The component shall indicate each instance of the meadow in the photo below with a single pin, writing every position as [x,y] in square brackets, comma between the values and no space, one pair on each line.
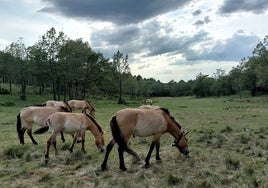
[228,142]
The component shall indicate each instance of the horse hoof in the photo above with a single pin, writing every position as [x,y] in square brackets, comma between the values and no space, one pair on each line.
[46,160]
[103,168]
[159,160]
[146,166]
[123,169]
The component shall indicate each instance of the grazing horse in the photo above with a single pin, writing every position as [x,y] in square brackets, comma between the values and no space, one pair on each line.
[148,101]
[82,104]
[143,123]
[71,123]
[34,115]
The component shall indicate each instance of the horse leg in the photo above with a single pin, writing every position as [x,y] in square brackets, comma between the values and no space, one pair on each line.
[29,132]
[62,136]
[147,159]
[157,156]
[74,140]
[108,150]
[55,146]
[130,151]
[121,159]
[22,135]
[47,152]
[83,142]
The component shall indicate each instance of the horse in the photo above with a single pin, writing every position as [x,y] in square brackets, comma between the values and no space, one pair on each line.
[34,115]
[143,123]
[82,104]
[148,101]
[71,123]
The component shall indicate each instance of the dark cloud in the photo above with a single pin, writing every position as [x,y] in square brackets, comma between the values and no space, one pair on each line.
[115,11]
[149,40]
[197,12]
[202,22]
[256,6]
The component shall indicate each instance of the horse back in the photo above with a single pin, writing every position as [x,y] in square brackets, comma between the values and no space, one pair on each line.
[37,114]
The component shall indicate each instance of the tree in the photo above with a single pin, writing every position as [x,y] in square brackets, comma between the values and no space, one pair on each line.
[51,44]
[19,52]
[121,68]
[40,70]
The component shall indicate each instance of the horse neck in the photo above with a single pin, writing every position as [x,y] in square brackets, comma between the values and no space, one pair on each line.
[90,107]
[173,129]
[94,129]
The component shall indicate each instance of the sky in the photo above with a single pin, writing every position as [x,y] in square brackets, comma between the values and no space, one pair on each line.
[168,40]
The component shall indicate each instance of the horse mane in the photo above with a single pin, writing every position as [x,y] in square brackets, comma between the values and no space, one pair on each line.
[43,104]
[166,111]
[66,103]
[63,108]
[90,104]
[94,121]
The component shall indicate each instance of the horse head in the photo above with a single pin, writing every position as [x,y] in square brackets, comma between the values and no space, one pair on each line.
[99,141]
[181,143]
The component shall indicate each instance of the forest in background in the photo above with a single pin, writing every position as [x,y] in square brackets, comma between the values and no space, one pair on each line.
[69,69]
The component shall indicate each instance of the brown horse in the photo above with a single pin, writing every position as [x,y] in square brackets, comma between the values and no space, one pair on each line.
[82,104]
[149,101]
[34,115]
[71,123]
[143,123]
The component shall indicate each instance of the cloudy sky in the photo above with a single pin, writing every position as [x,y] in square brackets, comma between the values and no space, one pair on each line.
[165,40]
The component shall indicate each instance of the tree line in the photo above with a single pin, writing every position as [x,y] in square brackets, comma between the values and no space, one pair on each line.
[70,69]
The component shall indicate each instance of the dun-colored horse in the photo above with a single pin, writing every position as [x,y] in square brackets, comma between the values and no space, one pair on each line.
[82,104]
[71,123]
[148,101]
[143,123]
[34,115]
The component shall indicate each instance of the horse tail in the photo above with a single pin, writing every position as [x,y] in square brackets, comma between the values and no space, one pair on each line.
[44,128]
[116,132]
[19,131]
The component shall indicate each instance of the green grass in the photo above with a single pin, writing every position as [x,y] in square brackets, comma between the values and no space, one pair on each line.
[228,142]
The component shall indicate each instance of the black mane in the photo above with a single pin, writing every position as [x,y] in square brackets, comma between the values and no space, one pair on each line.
[173,119]
[94,121]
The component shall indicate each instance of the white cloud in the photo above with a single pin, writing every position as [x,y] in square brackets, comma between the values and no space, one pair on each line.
[166,41]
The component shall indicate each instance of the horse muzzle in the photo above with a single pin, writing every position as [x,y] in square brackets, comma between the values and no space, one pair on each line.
[185,151]
[102,149]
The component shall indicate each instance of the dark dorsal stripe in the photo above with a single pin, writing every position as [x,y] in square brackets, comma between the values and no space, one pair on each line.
[94,121]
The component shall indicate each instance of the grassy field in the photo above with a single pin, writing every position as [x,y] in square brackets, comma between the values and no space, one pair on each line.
[228,144]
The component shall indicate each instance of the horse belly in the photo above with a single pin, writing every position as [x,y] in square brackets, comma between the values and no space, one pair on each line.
[148,128]
[72,127]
